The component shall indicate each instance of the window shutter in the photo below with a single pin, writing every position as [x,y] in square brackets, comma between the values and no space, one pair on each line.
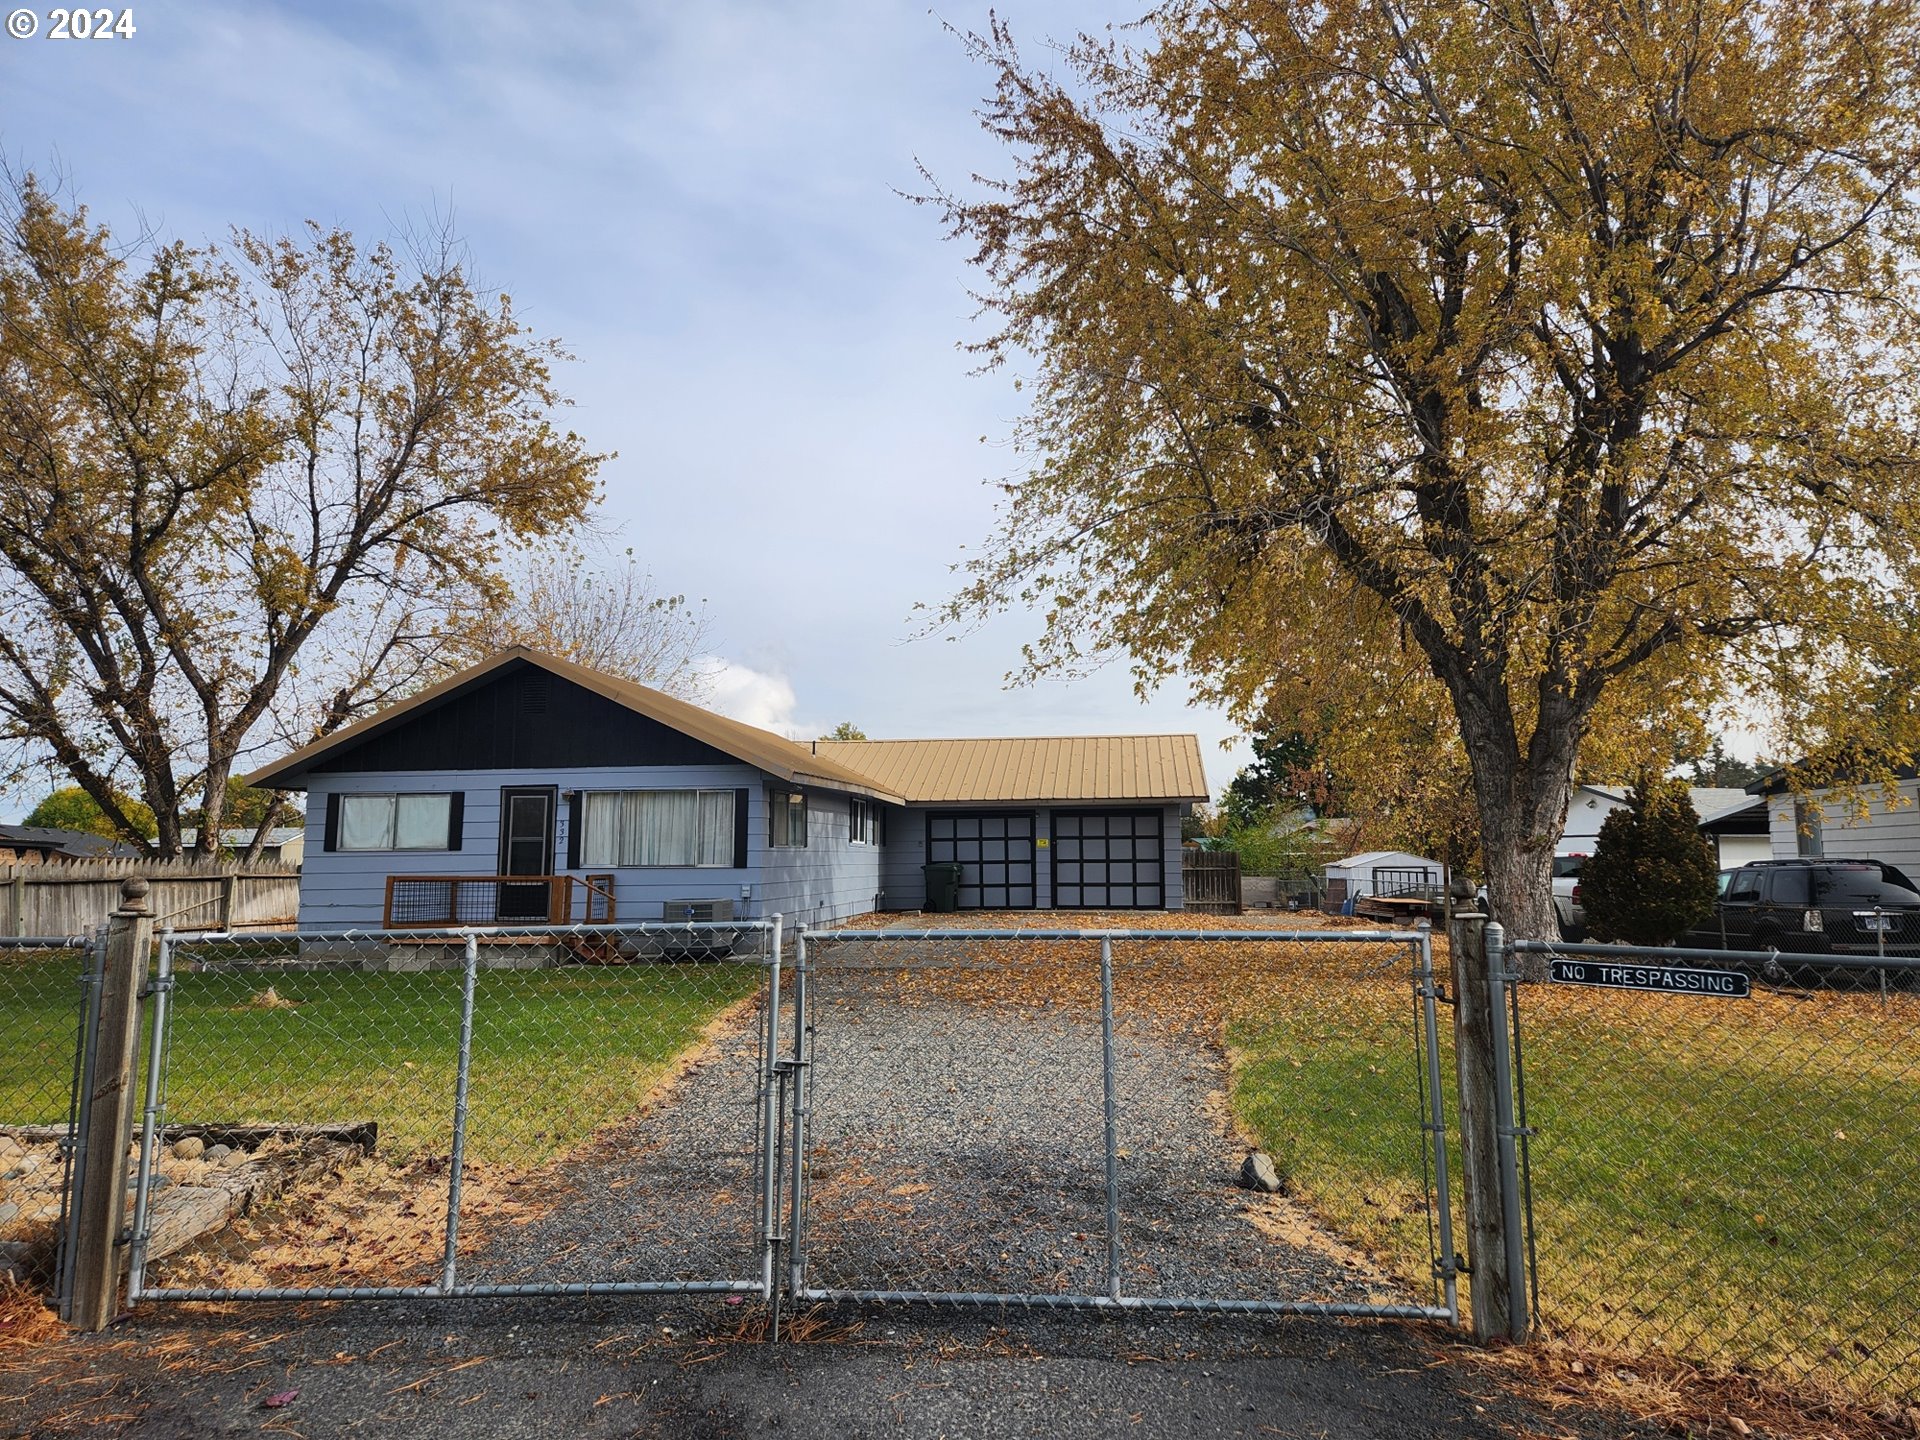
[456,819]
[576,811]
[740,829]
[331,841]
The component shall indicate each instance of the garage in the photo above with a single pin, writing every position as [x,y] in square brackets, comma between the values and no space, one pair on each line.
[1108,860]
[995,852]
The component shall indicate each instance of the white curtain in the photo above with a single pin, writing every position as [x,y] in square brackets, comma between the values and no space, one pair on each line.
[716,828]
[420,822]
[657,827]
[366,822]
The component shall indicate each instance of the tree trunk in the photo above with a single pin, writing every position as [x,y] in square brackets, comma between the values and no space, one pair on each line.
[1522,798]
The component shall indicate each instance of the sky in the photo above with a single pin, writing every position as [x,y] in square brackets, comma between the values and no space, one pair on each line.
[703,202]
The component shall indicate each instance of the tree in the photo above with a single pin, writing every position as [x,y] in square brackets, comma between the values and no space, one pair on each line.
[596,609]
[71,808]
[1566,349]
[242,486]
[1717,767]
[845,730]
[1652,875]
[1279,774]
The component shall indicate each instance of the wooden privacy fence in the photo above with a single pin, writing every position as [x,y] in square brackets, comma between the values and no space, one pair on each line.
[184,895]
[1211,880]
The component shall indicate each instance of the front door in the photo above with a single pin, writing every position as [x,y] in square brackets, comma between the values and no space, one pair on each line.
[526,848]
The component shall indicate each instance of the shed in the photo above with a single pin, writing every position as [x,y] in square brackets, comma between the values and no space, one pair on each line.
[1379,872]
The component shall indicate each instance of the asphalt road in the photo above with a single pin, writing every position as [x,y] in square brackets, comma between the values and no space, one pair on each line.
[607,1369]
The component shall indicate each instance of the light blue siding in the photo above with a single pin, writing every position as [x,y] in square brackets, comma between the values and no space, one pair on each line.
[347,889]
[830,878]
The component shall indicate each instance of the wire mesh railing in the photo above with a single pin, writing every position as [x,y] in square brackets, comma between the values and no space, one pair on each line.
[1061,1119]
[1722,1154]
[478,1113]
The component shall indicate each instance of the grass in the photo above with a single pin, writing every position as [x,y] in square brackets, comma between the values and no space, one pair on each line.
[1731,1182]
[556,1053]
[40,998]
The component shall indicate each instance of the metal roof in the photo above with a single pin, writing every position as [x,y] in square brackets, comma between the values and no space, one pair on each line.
[1162,768]
[782,758]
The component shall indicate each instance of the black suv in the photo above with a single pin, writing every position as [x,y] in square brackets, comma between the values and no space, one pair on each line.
[1813,907]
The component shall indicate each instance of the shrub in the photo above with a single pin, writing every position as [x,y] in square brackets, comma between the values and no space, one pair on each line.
[1651,876]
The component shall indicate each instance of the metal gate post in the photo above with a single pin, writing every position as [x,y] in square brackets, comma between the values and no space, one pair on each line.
[457,1161]
[162,990]
[1449,1263]
[770,1128]
[1512,1224]
[1112,1122]
[796,1224]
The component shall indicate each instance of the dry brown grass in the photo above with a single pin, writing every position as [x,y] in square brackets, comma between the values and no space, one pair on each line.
[25,1320]
[1683,1399]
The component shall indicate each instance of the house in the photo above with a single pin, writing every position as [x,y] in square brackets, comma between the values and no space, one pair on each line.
[284,844]
[1732,820]
[45,845]
[530,790]
[1873,824]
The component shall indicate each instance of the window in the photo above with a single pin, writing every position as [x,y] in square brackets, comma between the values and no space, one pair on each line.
[860,822]
[396,822]
[788,809]
[1808,836]
[1791,887]
[657,827]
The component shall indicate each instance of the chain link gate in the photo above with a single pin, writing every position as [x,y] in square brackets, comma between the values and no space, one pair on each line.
[470,1114]
[1029,1118]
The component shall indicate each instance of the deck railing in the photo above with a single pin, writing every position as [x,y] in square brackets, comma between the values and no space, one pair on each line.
[428,901]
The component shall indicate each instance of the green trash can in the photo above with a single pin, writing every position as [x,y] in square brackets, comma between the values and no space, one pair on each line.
[943,886]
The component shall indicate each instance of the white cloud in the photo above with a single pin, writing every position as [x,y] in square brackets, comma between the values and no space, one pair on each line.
[751,696]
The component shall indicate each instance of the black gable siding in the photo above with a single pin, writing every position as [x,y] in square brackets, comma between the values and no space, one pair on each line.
[521,718]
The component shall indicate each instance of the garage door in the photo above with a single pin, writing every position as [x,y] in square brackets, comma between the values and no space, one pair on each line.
[1108,860]
[995,851]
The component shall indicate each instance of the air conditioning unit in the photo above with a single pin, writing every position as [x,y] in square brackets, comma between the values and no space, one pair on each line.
[689,912]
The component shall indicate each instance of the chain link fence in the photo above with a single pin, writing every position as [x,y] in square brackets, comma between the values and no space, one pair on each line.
[1730,1178]
[47,986]
[1061,1119]
[503,1112]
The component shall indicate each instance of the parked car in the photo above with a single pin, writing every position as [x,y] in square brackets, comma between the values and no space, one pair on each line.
[1566,896]
[1814,906]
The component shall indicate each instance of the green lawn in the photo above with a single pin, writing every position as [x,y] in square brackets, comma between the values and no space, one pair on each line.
[1733,1182]
[39,1017]
[556,1053]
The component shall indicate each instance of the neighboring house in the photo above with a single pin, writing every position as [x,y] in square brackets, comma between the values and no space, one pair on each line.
[285,843]
[528,766]
[1826,823]
[43,845]
[1734,821]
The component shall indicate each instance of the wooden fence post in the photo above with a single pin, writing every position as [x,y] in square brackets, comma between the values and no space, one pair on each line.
[17,905]
[102,1204]
[1473,1047]
[229,891]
